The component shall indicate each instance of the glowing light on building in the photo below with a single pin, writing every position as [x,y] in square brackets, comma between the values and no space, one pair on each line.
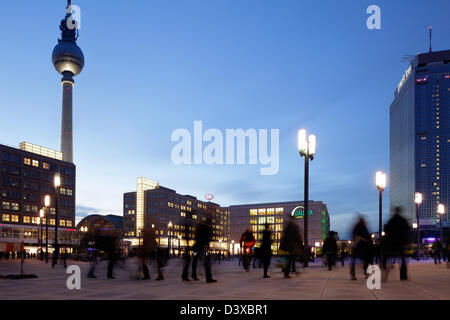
[143,184]
[46,152]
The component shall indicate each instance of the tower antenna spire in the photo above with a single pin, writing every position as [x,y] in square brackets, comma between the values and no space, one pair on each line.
[69,3]
[430,28]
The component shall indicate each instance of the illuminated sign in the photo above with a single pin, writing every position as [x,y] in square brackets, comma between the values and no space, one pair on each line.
[209,196]
[404,78]
[299,212]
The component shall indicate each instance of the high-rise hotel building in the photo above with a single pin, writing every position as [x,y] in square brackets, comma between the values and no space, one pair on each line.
[172,216]
[420,140]
[26,177]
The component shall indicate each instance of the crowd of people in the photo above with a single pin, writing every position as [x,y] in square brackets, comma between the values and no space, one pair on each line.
[384,252]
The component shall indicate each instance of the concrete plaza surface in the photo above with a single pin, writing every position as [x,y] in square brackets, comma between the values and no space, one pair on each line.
[427,281]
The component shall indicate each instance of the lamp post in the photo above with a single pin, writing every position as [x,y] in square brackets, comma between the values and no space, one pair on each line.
[41,220]
[441,211]
[179,247]
[418,201]
[380,180]
[307,149]
[47,204]
[57,183]
[169,238]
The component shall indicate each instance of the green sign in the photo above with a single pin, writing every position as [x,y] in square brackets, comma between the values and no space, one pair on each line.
[299,212]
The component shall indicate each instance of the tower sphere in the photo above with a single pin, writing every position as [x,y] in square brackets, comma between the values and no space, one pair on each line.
[67,56]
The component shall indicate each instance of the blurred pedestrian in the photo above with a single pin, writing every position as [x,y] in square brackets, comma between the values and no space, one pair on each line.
[362,247]
[330,249]
[247,242]
[266,249]
[202,242]
[437,250]
[397,233]
[292,243]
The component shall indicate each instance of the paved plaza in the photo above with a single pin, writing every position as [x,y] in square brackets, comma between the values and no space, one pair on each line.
[427,281]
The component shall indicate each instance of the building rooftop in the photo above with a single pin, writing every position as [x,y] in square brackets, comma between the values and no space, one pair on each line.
[43,151]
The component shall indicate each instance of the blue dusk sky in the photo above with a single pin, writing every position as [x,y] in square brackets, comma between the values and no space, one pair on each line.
[155,66]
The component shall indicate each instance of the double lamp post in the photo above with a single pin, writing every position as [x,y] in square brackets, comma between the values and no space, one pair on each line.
[307,149]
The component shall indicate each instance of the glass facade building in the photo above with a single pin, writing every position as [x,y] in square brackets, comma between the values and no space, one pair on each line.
[420,140]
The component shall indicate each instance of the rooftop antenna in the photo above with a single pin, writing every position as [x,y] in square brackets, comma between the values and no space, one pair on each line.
[430,28]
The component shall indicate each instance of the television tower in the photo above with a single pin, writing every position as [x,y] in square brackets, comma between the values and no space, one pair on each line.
[68,60]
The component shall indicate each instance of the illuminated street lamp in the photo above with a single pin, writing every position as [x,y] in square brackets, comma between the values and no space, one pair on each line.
[47,204]
[169,238]
[41,220]
[306,148]
[380,180]
[418,201]
[441,211]
[57,184]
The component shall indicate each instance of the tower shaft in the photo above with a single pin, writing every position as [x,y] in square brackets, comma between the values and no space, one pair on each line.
[66,119]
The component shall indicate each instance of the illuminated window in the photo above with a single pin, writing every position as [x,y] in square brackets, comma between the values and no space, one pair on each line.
[270,210]
[35,163]
[170,204]
[270,220]
[62,223]
[45,165]
[189,209]
[68,223]
[34,220]
[5,217]
[14,206]
[262,220]
[26,219]
[6,205]
[253,212]
[279,210]
[188,202]
[194,216]
[52,222]
[14,218]
[262,211]
[27,161]
[183,214]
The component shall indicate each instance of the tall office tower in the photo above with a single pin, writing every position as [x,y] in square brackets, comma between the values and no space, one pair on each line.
[420,140]
[68,60]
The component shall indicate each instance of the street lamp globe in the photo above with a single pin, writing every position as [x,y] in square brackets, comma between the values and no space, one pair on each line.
[41,213]
[57,180]
[380,180]
[47,201]
[441,208]
[418,198]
